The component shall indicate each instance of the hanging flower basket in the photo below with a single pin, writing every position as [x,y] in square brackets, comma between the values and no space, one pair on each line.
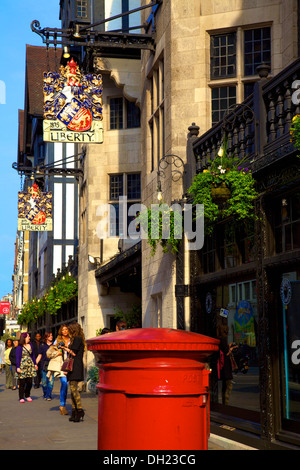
[295,131]
[227,190]
[220,193]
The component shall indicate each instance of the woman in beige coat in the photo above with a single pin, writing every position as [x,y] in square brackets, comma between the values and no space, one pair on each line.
[63,337]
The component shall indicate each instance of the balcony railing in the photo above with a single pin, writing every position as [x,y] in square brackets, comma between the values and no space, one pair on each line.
[259,127]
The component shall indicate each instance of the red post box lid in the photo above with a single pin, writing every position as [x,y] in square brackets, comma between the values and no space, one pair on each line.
[153,339]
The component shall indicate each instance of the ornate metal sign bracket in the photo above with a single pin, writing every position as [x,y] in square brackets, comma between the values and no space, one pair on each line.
[87,36]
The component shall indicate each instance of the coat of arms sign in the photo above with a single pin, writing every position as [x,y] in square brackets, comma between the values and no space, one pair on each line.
[72,106]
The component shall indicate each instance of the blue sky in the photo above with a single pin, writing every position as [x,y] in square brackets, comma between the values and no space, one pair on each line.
[15,33]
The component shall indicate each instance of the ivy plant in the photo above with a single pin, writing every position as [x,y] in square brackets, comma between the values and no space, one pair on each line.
[163,226]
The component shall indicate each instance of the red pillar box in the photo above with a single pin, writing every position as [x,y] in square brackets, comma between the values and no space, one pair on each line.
[153,389]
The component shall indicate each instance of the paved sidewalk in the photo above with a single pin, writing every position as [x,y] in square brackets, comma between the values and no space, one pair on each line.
[39,426]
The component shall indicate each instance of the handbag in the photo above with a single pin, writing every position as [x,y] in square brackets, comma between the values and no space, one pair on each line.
[67,365]
[233,363]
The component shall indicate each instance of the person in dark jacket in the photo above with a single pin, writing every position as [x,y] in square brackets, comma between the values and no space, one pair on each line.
[76,349]
[226,370]
[12,358]
[36,346]
[47,384]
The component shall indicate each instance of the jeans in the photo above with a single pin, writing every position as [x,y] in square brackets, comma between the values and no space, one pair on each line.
[38,378]
[47,385]
[63,391]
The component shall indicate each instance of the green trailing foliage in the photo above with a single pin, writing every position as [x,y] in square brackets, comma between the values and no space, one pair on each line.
[295,132]
[62,291]
[163,226]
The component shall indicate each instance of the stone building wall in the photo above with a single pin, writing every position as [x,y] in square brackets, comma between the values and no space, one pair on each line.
[183,32]
[119,153]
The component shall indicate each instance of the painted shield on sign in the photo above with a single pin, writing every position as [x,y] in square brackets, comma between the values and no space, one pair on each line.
[75,117]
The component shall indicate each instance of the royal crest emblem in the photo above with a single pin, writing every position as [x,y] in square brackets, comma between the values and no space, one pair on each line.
[34,209]
[73,106]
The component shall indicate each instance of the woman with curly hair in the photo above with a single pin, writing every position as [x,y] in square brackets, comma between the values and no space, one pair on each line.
[63,337]
[76,349]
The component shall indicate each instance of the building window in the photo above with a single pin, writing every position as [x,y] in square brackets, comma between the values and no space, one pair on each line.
[115,187]
[248,89]
[126,184]
[45,267]
[242,291]
[134,186]
[124,114]
[157,115]
[81,8]
[208,256]
[116,113]
[223,56]
[287,224]
[112,8]
[257,49]
[222,98]
[234,57]
[133,115]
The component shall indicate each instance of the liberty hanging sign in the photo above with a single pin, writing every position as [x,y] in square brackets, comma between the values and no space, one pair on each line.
[72,106]
[35,210]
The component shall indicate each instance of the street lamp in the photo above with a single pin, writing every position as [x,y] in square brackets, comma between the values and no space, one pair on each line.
[159,193]
[66,53]
[94,261]
[77,32]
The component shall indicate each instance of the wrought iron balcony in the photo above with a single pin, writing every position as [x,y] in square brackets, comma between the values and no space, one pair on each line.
[258,129]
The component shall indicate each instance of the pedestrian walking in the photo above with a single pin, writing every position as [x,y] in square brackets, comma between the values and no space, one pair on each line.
[76,350]
[63,339]
[12,358]
[36,346]
[2,356]
[8,370]
[47,383]
[225,371]
[26,367]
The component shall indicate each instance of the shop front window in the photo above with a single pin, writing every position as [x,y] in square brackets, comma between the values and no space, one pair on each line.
[287,224]
[237,373]
[290,357]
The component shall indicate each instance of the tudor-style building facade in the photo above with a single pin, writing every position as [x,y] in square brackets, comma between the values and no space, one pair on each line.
[45,254]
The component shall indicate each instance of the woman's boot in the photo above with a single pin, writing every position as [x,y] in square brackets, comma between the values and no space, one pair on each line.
[63,410]
[79,415]
[73,415]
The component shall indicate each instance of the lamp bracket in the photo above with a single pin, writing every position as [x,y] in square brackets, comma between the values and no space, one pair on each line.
[176,162]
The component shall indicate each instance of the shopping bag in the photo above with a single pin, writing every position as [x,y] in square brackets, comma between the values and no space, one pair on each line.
[67,365]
